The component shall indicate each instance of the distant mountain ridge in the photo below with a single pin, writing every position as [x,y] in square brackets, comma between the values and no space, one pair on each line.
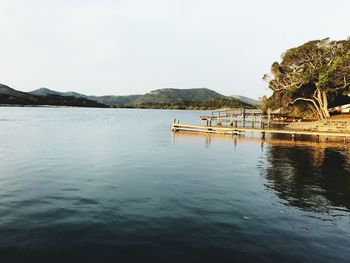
[178,95]
[9,96]
[110,100]
[6,90]
[154,96]
[45,91]
[195,98]
[159,96]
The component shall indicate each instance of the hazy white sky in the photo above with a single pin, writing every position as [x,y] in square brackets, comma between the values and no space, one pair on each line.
[130,46]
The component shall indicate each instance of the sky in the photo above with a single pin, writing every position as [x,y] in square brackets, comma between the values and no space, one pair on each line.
[125,47]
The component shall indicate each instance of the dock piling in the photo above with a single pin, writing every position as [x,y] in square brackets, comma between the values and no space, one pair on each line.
[244,116]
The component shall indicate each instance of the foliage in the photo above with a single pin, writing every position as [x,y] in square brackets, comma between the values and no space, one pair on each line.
[169,96]
[211,104]
[312,76]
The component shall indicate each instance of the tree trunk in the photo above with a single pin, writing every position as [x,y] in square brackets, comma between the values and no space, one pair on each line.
[318,103]
[322,101]
[316,109]
[325,104]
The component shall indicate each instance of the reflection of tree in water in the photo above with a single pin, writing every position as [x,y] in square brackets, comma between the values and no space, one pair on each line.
[310,178]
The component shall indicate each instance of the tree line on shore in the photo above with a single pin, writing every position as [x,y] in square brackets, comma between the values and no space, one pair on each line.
[211,104]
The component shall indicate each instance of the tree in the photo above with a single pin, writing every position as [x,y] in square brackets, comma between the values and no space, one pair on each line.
[315,74]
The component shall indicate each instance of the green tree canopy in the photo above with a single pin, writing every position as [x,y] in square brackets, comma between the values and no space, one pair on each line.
[315,74]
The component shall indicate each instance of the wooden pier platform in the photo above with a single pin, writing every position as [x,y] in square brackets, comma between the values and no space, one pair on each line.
[237,130]
[239,120]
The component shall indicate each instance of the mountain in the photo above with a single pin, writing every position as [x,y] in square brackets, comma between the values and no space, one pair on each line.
[196,99]
[167,96]
[6,90]
[110,100]
[199,98]
[246,100]
[9,96]
[161,96]
[45,92]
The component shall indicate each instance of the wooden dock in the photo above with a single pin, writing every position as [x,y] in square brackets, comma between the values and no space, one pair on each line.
[237,121]
[176,127]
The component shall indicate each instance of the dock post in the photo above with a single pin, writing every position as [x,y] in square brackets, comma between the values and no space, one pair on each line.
[261,117]
[173,126]
[243,117]
[263,131]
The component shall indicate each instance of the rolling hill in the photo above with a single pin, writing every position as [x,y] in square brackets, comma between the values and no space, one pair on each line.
[160,98]
[110,100]
[200,98]
[167,96]
[9,96]
[45,92]
[6,90]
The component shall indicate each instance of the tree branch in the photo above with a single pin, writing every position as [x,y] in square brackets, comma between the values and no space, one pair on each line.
[312,101]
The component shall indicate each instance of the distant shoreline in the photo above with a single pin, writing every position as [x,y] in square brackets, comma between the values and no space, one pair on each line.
[77,107]
[139,108]
[40,106]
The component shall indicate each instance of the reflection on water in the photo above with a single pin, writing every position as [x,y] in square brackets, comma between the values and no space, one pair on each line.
[312,176]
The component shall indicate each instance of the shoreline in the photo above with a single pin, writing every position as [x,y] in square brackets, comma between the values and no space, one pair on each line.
[130,108]
[40,106]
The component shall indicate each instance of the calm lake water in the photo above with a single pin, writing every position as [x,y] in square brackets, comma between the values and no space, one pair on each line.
[108,185]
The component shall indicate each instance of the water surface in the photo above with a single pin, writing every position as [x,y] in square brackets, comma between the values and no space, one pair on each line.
[107,185]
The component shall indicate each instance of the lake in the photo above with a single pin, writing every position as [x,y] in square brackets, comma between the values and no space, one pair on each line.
[108,185]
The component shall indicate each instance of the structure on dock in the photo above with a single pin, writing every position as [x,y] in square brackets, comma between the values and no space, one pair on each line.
[241,117]
[236,121]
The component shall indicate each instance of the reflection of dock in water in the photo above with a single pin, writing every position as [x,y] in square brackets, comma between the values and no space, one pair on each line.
[237,121]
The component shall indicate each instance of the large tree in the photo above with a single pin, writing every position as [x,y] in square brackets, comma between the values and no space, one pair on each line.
[315,74]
